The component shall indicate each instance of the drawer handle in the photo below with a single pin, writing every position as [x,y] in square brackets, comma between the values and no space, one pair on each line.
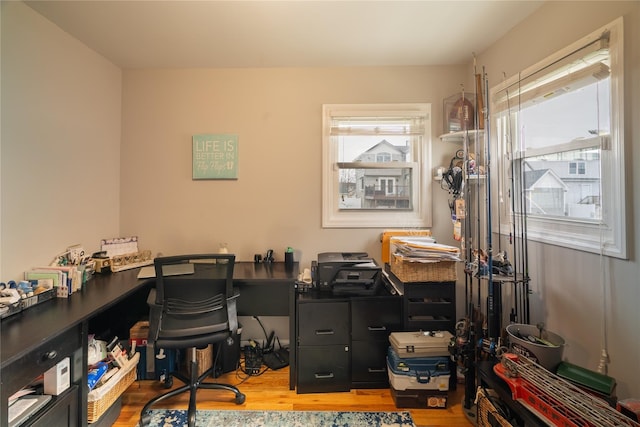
[324,332]
[377,370]
[324,376]
[377,328]
[50,355]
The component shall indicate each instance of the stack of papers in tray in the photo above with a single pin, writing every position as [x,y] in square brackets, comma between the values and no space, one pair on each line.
[424,249]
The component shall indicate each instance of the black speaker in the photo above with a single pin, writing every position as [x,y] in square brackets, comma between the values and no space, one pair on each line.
[226,355]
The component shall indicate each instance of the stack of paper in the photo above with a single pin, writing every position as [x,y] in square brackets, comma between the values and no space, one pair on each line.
[424,249]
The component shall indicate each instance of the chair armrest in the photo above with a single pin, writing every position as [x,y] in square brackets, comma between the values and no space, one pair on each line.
[232,314]
[235,295]
[155,316]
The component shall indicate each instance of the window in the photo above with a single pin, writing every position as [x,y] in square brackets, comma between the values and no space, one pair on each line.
[376,159]
[559,131]
[577,168]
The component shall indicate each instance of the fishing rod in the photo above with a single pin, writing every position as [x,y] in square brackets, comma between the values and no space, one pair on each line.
[493,325]
[513,232]
[523,236]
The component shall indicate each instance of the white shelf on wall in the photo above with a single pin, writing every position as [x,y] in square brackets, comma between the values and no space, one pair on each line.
[460,135]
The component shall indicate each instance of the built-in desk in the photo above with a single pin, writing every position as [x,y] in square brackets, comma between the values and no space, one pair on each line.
[38,338]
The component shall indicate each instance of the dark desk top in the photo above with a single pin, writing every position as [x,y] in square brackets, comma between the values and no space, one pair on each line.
[25,331]
[249,271]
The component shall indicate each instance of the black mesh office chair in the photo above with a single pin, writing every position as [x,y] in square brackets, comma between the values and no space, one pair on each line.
[192,311]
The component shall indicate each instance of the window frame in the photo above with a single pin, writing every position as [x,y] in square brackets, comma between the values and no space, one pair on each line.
[420,215]
[607,235]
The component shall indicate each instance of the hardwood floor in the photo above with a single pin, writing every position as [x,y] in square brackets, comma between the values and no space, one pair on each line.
[270,391]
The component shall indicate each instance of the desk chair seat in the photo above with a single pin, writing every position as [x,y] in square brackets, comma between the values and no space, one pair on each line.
[193,311]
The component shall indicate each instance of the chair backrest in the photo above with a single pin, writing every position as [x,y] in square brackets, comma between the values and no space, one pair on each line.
[193,304]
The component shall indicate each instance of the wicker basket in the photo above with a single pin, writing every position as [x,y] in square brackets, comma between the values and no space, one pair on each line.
[488,415]
[100,399]
[407,271]
[204,356]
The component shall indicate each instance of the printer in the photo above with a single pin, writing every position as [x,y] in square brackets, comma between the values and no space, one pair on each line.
[347,273]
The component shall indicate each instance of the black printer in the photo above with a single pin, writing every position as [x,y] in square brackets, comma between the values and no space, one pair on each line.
[348,273]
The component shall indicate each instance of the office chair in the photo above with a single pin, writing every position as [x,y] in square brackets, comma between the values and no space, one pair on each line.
[193,311]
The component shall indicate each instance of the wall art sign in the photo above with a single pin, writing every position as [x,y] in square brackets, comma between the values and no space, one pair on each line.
[215,156]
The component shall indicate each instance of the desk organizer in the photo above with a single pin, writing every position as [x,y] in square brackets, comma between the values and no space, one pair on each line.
[407,271]
[100,399]
[39,298]
[131,260]
[7,310]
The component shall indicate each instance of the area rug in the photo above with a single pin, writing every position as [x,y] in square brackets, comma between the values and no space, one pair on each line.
[208,418]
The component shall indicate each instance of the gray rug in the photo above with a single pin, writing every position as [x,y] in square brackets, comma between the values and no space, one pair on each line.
[208,418]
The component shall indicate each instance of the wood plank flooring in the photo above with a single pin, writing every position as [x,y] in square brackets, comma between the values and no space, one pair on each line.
[270,391]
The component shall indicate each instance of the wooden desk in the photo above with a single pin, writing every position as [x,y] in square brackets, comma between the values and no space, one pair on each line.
[38,338]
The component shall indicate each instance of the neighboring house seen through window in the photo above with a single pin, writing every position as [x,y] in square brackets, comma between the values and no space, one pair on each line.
[375,163]
[559,130]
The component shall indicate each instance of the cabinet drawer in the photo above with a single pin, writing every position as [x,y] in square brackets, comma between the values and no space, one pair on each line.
[432,310]
[375,319]
[369,364]
[323,323]
[62,413]
[323,369]
[431,291]
[38,361]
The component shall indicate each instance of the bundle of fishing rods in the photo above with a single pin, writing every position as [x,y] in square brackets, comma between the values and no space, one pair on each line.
[480,334]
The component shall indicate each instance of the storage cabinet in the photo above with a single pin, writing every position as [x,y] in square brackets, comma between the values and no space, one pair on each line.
[22,372]
[62,413]
[430,306]
[342,341]
[372,320]
[323,346]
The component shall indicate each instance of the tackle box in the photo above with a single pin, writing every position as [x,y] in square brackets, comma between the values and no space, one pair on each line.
[429,399]
[418,373]
[421,344]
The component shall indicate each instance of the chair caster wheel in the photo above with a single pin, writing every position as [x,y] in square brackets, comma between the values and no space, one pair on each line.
[240,398]
[168,382]
[144,420]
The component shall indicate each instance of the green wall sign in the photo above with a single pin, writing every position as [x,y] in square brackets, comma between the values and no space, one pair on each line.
[215,156]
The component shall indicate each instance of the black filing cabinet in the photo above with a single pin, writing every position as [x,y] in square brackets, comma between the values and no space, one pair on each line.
[323,346]
[342,341]
[372,320]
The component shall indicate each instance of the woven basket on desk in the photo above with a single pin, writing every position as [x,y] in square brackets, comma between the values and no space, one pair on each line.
[406,271]
[100,399]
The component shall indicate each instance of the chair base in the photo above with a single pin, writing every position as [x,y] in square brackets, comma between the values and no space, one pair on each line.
[191,385]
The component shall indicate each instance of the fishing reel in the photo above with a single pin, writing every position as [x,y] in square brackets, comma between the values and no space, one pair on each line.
[452,178]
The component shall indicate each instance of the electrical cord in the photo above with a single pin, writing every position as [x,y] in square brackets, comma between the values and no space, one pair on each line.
[267,346]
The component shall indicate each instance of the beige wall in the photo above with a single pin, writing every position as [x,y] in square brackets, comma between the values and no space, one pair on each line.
[276,113]
[60,163]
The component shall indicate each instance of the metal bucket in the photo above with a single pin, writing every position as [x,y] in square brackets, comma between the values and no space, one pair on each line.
[547,351]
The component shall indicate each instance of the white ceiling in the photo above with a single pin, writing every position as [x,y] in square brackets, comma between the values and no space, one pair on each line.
[210,33]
